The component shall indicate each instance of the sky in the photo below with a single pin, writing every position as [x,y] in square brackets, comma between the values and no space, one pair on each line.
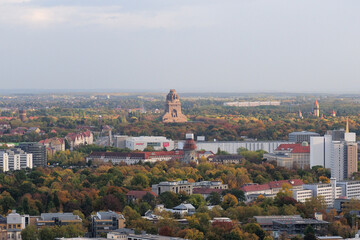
[189,45]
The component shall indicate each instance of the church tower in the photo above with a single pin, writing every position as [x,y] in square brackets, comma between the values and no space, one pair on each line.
[173,109]
[316,109]
[333,114]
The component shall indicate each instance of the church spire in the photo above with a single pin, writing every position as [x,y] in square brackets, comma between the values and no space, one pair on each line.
[347,124]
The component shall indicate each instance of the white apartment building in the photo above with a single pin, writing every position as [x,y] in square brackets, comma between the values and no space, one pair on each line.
[302,194]
[15,159]
[328,190]
[140,143]
[4,161]
[337,164]
[350,189]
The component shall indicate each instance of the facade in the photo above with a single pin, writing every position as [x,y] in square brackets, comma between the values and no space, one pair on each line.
[270,189]
[330,191]
[349,189]
[176,187]
[4,161]
[15,159]
[173,112]
[105,222]
[77,139]
[134,157]
[12,225]
[302,194]
[299,137]
[53,144]
[38,152]
[57,219]
[291,156]
[233,146]
[157,142]
[119,141]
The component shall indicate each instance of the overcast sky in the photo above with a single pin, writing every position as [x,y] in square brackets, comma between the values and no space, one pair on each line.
[195,45]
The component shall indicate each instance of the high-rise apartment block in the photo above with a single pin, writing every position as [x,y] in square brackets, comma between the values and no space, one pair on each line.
[336,150]
[38,152]
[15,159]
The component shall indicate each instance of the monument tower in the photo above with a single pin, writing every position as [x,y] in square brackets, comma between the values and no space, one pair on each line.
[173,109]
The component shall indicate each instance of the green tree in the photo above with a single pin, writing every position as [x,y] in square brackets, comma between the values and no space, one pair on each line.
[30,233]
[214,198]
[140,180]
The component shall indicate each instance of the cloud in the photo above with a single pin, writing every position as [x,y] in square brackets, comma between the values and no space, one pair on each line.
[110,16]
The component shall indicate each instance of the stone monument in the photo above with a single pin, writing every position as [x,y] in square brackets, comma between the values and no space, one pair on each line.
[173,109]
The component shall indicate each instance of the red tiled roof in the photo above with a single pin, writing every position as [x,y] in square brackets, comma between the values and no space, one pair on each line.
[253,188]
[74,136]
[139,194]
[294,147]
[271,185]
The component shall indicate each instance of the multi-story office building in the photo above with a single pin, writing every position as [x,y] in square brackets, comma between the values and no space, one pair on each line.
[38,152]
[105,222]
[26,159]
[15,159]
[349,189]
[57,219]
[327,190]
[302,194]
[176,187]
[299,137]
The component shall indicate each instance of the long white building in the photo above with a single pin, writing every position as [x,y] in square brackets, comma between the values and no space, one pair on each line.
[330,191]
[232,146]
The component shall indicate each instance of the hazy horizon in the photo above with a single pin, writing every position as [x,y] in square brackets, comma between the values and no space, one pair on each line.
[235,46]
